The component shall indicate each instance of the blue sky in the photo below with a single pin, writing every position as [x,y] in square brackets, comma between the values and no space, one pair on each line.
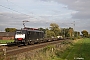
[40,13]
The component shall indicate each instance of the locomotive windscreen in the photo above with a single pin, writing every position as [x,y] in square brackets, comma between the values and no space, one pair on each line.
[20,32]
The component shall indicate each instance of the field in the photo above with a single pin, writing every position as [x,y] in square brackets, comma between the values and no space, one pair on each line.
[79,51]
[66,50]
[5,41]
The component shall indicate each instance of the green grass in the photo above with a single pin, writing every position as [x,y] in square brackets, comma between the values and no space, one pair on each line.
[81,49]
[5,41]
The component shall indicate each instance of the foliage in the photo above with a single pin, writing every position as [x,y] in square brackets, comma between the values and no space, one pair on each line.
[58,53]
[67,32]
[79,50]
[47,48]
[55,28]
[50,52]
[50,33]
[42,29]
[2,57]
[10,29]
[88,35]
[70,32]
[76,34]
[55,31]
[85,33]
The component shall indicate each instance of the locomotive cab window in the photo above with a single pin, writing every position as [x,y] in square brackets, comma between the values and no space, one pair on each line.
[20,32]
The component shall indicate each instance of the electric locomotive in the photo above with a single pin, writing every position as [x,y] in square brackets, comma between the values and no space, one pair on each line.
[28,36]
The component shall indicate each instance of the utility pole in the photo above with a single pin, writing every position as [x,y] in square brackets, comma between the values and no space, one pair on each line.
[74,25]
[74,29]
[46,29]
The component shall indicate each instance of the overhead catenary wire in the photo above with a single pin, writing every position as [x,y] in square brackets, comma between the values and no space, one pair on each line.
[8,16]
[17,12]
[14,10]
[14,17]
[9,2]
[18,6]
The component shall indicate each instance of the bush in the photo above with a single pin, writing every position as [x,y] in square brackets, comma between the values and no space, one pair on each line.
[73,38]
[58,53]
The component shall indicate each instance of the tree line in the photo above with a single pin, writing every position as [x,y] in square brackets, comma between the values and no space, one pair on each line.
[54,30]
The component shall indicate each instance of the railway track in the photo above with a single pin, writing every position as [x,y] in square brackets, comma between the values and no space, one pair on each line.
[16,50]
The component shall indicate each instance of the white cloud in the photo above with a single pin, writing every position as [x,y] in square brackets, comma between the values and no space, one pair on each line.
[38,12]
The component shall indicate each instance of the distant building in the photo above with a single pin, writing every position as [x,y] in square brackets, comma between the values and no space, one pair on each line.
[7,35]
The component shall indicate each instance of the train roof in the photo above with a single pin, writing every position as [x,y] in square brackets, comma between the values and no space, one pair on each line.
[29,30]
[35,30]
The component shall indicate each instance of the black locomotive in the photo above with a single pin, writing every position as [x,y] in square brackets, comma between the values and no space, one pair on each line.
[28,36]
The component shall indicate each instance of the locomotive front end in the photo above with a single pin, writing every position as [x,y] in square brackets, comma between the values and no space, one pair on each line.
[19,36]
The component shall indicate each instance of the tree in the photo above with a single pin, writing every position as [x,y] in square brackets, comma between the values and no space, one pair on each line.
[65,32]
[85,33]
[76,34]
[71,32]
[89,35]
[10,29]
[42,29]
[55,28]
[50,34]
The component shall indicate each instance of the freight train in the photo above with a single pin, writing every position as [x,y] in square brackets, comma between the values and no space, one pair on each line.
[30,36]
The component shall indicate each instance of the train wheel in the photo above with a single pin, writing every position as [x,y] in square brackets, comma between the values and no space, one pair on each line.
[17,43]
[26,43]
[29,42]
[39,42]
[32,42]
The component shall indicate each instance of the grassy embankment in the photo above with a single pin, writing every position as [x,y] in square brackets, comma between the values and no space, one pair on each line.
[64,51]
[5,41]
[80,50]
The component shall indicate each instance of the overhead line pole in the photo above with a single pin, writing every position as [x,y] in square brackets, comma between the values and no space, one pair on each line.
[24,22]
[74,29]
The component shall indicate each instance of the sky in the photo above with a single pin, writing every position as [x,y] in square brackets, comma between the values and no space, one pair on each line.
[40,13]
